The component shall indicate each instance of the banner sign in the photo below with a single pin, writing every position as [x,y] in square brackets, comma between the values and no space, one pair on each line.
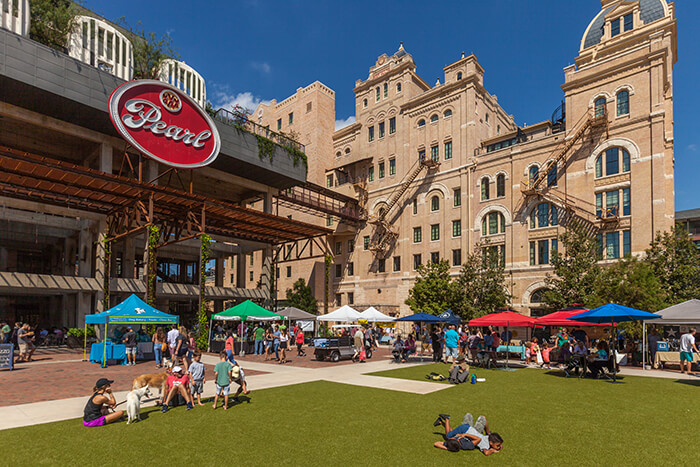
[164,123]
[7,361]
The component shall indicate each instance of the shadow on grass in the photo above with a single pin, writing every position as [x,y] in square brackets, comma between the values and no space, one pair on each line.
[689,382]
[562,374]
[239,400]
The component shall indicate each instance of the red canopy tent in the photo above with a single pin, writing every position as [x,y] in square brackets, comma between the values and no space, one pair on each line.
[504,318]
[560,318]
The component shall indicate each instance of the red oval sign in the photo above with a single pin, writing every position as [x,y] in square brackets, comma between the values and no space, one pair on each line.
[164,123]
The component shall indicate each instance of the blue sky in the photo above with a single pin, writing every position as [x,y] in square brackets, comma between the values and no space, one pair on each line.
[255,50]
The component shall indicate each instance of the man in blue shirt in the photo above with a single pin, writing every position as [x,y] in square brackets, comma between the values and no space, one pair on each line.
[451,344]
[276,342]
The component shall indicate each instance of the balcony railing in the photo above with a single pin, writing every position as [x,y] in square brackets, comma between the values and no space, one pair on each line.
[241,121]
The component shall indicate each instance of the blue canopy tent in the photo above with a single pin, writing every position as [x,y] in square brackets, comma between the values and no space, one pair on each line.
[133,310]
[613,313]
[422,318]
[450,318]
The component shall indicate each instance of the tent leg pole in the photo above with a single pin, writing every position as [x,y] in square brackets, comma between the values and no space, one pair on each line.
[85,342]
[644,345]
[104,351]
[210,333]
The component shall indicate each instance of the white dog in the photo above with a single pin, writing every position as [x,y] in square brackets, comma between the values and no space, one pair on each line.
[133,403]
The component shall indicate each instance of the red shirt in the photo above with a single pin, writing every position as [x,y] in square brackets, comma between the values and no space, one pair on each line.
[300,337]
[229,344]
[175,381]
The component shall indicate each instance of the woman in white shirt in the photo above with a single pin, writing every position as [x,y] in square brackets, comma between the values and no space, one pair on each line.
[284,343]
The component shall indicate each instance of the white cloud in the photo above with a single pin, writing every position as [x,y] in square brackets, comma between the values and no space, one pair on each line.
[223,99]
[693,147]
[262,67]
[343,123]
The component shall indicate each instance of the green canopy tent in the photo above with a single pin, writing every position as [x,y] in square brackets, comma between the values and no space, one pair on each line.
[246,311]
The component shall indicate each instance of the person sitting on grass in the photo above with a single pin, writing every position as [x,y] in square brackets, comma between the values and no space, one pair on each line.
[96,411]
[222,376]
[469,435]
[178,383]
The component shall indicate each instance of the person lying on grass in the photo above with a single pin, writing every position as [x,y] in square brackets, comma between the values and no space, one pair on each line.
[469,435]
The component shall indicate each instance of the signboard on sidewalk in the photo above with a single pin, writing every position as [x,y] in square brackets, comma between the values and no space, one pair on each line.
[7,361]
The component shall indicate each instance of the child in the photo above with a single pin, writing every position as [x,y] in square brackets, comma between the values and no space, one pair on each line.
[528,354]
[196,372]
[222,375]
[545,355]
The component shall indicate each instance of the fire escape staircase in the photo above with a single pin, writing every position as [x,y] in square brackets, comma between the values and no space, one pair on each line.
[384,234]
[575,215]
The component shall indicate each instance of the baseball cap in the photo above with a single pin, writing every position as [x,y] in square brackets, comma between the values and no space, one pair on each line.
[103,382]
[177,369]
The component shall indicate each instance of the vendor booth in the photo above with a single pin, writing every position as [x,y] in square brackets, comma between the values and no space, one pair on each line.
[343,314]
[304,319]
[246,311]
[508,319]
[684,315]
[131,311]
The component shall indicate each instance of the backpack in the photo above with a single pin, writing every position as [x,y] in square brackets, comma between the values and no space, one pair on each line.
[435,377]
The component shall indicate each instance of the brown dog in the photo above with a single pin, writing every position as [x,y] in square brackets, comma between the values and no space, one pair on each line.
[152,380]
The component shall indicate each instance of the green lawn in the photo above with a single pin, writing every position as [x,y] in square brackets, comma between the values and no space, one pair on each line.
[542,417]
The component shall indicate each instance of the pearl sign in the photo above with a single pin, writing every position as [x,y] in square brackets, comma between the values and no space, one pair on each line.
[164,124]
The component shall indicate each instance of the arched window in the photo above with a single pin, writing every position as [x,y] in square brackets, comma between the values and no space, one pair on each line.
[623,103]
[610,162]
[448,113]
[500,185]
[533,173]
[435,203]
[537,303]
[379,93]
[421,123]
[434,118]
[364,103]
[485,188]
[347,151]
[537,296]
[338,154]
[398,87]
[493,223]
[459,76]
[544,215]
[600,107]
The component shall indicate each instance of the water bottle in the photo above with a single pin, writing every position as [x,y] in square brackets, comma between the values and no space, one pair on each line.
[473,378]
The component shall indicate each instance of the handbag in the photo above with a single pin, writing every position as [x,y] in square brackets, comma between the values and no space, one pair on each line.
[164,347]
[539,357]
[363,355]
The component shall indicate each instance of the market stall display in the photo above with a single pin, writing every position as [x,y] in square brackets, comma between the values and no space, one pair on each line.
[507,319]
[246,311]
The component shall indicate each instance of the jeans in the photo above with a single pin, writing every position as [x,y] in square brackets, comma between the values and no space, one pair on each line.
[276,348]
[258,347]
[229,357]
[157,350]
[460,430]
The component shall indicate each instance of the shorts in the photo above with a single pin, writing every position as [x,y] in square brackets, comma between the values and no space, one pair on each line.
[182,352]
[223,390]
[686,356]
[96,422]
[131,350]
[451,352]
[197,387]
[190,354]
[24,348]
[283,345]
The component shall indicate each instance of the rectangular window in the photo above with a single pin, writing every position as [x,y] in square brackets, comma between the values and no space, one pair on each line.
[110,42]
[329,221]
[85,34]
[381,265]
[599,242]
[448,150]
[421,155]
[532,253]
[291,117]
[457,197]
[365,242]
[397,263]
[351,246]
[599,167]
[417,235]
[251,259]
[543,252]
[378,94]
[279,124]
[392,125]
[329,181]
[351,269]
[612,162]
[555,245]
[626,207]
[289,271]
[615,27]
[543,215]
[417,261]
[612,245]
[277,273]
[381,170]
[351,298]
[629,22]
[250,275]
[435,232]
[338,271]
[626,242]
[392,166]
[415,205]
[599,204]
[457,228]
[370,134]
[435,257]
[338,299]
[370,174]
[625,161]
[435,153]
[100,41]
[457,257]
[338,248]
[612,203]
[386,90]
[308,107]
[381,130]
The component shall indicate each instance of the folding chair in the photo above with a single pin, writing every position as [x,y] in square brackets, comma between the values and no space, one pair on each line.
[610,367]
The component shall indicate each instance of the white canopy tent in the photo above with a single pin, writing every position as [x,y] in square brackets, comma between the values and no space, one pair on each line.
[686,313]
[345,313]
[373,315]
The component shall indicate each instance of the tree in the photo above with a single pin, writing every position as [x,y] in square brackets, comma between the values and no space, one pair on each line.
[575,271]
[52,21]
[433,291]
[675,260]
[301,296]
[149,51]
[480,288]
[630,282]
